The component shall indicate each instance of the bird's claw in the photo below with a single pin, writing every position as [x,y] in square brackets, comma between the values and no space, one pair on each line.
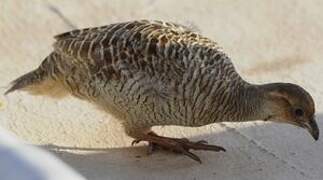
[136,141]
[192,156]
[151,146]
[178,145]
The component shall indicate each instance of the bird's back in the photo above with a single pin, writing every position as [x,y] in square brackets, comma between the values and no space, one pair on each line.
[148,46]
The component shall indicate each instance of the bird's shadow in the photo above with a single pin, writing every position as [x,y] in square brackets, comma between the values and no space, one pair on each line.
[253,152]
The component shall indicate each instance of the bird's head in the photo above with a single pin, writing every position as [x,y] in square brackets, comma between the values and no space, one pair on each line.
[290,103]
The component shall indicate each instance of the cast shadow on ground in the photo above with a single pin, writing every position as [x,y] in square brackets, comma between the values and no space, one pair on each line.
[248,156]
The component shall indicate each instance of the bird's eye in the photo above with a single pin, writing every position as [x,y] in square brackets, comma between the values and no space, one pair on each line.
[299,112]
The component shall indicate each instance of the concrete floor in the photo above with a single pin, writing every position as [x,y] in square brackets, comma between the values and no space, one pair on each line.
[268,41]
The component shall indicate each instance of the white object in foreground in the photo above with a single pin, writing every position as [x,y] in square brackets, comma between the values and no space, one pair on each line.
[19,161]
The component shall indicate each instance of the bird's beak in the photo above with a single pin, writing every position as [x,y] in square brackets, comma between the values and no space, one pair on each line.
[312,128]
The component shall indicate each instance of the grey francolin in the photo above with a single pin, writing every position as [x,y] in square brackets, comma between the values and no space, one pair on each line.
[150,73]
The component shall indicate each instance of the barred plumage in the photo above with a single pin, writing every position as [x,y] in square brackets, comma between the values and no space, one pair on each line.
[141,65]
[149,73]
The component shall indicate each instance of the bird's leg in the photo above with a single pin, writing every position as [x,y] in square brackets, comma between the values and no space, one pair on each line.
[179,145]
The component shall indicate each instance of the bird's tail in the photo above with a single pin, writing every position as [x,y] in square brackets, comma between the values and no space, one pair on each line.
[39,81]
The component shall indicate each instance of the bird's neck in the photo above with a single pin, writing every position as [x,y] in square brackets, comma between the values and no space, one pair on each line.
[253,102]
[248,104]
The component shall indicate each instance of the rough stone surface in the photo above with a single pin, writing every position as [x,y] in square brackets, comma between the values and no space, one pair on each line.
[269,41]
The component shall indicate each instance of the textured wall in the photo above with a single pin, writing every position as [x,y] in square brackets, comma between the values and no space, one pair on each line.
[267,40]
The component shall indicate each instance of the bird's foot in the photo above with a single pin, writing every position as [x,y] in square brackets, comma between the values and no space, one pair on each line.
[178,145]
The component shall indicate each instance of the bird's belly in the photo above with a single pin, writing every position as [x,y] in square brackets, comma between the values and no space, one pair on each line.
[149,106]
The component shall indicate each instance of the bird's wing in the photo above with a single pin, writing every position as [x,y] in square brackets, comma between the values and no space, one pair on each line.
[139,35]
[145,46]
[81,32]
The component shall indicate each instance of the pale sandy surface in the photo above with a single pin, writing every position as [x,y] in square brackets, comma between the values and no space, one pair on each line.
[268,41]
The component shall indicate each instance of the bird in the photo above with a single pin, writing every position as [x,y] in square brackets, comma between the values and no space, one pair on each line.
[150,73]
